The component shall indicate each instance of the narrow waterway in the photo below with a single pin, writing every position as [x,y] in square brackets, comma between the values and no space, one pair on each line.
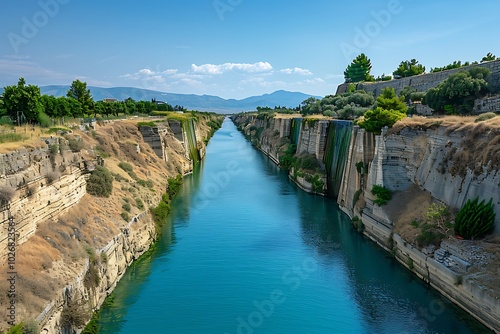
[246,251]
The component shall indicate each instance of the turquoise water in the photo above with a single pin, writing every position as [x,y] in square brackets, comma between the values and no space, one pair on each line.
[246,251]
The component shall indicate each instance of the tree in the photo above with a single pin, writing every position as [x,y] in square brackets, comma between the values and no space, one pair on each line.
[375,120]
[457,93]
[408,68]
[79,92]
[23,102]
[359,70]
[388,110]
[389,101]
[311,106]
[489,57]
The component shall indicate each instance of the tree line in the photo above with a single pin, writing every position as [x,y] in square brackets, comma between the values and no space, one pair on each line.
[359,69]
[24,103]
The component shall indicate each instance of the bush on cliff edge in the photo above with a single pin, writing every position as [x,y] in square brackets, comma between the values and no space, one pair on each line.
[475,219]
[100,182]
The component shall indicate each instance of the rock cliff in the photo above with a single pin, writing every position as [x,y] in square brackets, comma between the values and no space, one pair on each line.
[66,249]
[421,161]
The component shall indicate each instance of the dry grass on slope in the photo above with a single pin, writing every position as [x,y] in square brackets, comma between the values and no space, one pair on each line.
[53,257]
[479,144]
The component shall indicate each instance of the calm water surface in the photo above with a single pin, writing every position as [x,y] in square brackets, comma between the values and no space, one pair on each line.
[246,251]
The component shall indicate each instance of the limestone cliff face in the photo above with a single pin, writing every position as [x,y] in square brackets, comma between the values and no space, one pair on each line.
[445,163]
[270,135]
[72,248]
[435,159]
[274,135]
[312,138]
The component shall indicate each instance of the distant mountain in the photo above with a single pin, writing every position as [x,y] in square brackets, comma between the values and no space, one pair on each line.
[190,101]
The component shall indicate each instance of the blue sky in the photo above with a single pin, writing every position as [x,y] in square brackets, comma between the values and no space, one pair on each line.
[234,48]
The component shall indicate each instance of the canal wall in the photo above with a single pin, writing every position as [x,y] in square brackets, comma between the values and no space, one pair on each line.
[72,248]
[426,162]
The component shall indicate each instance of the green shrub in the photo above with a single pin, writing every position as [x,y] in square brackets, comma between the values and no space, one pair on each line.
[475,219]
[383,195]
[75,145]
[150,124]
[286,159]
[139,204]
[17,329]
[6,120]
[126,207]
[129,169]
[174,184]
[161,212]
[415,223]
[485,117]
[125,216]
[429,236]
[44,120]
[10,137]
[317,184]
[100,182]
[126,166]
[145,183]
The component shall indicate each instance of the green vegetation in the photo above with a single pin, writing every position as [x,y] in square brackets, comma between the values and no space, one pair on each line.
[79,92]
[163,209]
[457,93]
[475,219]
[359,70]
[455,64]
[286,159]
[150,124]
[129,169]
[100,182]
[388,110]
[383,195]
[92,277]
[429,236]
[489,57]
[10,137]
[125,216]
[436,226]
[355,197]
[25,327]
[22,102]
[75,145]
[139,204]
[486,116]
[408,68]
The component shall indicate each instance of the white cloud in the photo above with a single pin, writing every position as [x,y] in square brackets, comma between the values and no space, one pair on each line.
[296,70]
[212,69]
